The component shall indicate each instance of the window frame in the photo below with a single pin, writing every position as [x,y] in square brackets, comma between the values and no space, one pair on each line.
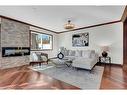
[40,33]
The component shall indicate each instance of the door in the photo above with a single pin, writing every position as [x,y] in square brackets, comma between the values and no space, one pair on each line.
[125,45]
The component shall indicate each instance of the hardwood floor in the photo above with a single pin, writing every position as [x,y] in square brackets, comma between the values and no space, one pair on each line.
[23,78]
[114,77]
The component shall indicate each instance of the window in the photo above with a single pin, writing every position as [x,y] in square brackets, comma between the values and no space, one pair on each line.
[41,41]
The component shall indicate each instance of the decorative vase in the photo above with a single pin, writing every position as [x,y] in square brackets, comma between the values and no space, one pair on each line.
[104,54]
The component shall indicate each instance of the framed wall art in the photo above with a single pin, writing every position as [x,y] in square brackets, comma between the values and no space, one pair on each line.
[80,40]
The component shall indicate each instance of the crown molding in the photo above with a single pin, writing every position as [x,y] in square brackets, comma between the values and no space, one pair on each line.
[96,25]
[124,16]
[27,24]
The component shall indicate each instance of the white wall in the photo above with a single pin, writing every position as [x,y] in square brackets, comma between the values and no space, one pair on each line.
[111,34]
[51,53]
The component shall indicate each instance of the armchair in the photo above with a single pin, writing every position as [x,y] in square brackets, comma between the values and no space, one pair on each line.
[38,58]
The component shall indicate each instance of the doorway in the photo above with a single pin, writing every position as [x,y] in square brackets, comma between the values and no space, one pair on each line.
[125,45]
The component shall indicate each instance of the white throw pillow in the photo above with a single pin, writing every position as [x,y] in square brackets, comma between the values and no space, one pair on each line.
[71,53]
[86,53]
[34,57]
[44,58]
[78,53]
[66,52]
[92,55]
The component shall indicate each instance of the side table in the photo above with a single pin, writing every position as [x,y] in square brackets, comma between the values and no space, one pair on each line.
[105,60]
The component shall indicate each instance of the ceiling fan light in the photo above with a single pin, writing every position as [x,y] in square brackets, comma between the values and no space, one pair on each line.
[69,25]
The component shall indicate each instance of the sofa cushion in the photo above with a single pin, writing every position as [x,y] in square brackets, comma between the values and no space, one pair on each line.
[78,53]
[43,58]
[71,53]
[86,53]
[33,57]
[86,63]
[38,56]
[66,52]
[70,57]
[92,54]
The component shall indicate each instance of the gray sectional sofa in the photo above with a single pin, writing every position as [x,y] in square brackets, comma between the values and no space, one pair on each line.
[85,59]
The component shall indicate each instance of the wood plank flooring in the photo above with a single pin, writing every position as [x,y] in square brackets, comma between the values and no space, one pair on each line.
[114,77]
[23,78]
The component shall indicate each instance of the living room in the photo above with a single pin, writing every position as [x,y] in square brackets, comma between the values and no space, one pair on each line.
[33,47]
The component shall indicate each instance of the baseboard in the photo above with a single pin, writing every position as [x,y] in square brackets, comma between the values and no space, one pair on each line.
[117,64]
[114,64]
[14,66]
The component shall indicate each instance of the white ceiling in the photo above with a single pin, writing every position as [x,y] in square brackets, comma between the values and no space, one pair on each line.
[54,17]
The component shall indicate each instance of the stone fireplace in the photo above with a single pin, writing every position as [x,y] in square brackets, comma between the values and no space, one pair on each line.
[14,38]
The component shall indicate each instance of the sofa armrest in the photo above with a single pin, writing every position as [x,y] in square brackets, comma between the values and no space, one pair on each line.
[86,63]
[83,59]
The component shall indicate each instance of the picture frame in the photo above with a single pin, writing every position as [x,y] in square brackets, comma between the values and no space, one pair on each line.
[80,39]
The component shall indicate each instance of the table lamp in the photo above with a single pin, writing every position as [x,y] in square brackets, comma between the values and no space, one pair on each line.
[105,50]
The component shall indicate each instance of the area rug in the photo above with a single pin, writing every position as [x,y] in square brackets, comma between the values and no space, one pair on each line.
[42,67]
[79,78]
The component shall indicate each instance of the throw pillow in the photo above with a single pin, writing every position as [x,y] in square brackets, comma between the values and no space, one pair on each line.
[71,53]
[34,57]
[66,53]
[39,56]
[92,55]
[44,58]
[78,53]
[86,53]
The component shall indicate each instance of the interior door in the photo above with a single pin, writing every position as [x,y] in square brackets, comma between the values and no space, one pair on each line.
[125,46]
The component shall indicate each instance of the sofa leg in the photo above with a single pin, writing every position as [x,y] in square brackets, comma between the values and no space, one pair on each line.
[90,71]
[75,68]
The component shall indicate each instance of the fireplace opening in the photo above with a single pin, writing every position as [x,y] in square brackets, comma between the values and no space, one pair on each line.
[15,51]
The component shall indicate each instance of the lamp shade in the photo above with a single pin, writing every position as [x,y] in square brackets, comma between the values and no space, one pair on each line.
[105,48]
[61,49]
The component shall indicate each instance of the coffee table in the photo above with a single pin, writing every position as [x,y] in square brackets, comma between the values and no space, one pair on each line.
[60,62]
[68,62]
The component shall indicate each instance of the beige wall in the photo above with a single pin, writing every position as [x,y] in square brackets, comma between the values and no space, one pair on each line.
[111,34]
